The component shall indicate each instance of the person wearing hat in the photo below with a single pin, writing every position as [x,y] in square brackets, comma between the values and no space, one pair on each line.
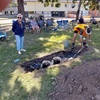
[18,29]
[84,31]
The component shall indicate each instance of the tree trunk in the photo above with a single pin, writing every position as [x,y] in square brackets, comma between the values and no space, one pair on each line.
[21,8]
[78,11]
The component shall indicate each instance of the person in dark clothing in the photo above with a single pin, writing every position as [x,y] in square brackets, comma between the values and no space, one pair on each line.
[81,20]
[93,20]
[18,28]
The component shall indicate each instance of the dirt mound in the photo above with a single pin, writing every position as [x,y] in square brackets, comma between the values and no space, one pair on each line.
[79,83]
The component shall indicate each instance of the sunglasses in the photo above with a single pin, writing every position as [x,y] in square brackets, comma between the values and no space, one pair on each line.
[19,17]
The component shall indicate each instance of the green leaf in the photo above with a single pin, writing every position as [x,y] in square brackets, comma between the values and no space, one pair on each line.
[57,5]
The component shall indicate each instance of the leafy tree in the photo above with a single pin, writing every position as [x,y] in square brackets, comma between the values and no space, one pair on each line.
[88,4]
[13,4]
[52,1]
[91,4]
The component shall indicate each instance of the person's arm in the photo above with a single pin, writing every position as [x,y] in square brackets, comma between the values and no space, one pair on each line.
[13,26]
[31,23]
[23,25]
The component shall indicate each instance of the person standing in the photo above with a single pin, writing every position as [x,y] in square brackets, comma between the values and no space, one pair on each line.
[18,29]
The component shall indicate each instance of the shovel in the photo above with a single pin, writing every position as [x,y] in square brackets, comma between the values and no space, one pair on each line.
[76,54]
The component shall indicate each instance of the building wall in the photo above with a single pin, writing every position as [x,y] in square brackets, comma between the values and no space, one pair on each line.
[38,7]
[33,7]
[94,13]
[12,10]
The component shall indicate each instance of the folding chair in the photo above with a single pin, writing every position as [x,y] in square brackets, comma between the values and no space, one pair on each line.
[63,24]
[66,24]
[60,24]
[3,36]
[28,27]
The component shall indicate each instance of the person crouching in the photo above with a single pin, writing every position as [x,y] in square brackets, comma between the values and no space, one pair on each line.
[84,32]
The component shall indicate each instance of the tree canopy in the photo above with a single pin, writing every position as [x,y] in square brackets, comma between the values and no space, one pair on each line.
[91,4]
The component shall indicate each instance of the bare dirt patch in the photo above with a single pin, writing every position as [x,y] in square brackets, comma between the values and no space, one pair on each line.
[80,83]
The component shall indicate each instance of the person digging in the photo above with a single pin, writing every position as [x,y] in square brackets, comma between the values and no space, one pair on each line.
[84,32]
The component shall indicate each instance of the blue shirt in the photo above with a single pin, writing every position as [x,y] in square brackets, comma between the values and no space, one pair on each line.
[34,23]
[17,28]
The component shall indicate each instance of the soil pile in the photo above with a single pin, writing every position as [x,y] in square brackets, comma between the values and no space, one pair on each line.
[79,83]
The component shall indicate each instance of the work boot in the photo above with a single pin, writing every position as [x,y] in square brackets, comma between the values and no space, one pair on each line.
[85,44]
[73,45]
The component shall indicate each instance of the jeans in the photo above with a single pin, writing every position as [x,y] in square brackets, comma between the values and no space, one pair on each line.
[19,42]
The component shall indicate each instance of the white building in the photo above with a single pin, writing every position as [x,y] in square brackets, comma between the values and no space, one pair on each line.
[10,11]
[32,8]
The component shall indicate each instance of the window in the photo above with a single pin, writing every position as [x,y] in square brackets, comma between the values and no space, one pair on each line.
[11,12]
[52,5]
[57,13]
[6,12]
[65,5]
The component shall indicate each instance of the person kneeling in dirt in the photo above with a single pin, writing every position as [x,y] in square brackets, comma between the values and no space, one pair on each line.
[84,32]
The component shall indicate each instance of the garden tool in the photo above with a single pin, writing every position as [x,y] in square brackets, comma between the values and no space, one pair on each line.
[76,54]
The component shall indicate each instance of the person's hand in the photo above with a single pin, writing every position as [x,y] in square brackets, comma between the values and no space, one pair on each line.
[89,40]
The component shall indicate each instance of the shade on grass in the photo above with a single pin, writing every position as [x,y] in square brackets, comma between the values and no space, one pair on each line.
[15,84]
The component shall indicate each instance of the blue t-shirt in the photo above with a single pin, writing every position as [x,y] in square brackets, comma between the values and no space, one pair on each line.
[34,23]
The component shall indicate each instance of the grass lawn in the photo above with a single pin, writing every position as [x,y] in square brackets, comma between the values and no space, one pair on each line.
[15,84]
